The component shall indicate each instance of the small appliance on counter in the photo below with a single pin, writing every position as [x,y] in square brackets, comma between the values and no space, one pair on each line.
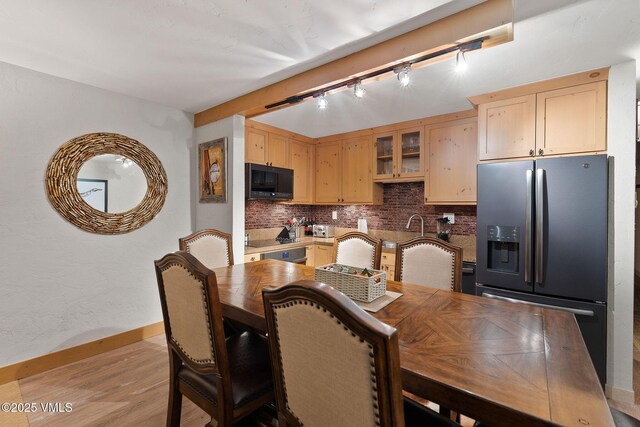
[320,230]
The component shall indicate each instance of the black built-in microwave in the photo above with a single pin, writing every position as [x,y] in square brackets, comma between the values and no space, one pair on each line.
[268,182]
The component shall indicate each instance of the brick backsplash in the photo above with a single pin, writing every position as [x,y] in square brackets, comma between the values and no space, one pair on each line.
[400,202]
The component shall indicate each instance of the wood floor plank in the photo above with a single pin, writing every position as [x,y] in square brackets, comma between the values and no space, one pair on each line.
[10,393]
[124,387]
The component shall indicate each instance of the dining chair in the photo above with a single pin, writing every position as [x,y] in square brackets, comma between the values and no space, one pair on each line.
[334,364]
[358,250]
[213,248]
[431,262]
[229,378]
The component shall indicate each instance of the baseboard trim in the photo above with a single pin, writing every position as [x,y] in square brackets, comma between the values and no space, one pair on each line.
[59,358]
[618,394]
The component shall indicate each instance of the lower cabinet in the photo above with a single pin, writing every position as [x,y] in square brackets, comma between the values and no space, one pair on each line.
[311,258]
[388,264]
[323,255]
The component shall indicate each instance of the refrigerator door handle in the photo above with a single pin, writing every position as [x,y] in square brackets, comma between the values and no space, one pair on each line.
[576,311]
[540,208]
[527,228]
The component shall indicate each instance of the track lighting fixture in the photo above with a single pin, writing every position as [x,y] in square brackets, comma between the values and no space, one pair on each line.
[402,72]
[461,62]
[125,162]
[403,75]
[322,101]
[358,90]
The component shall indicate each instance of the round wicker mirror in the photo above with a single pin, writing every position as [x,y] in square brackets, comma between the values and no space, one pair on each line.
[62,175]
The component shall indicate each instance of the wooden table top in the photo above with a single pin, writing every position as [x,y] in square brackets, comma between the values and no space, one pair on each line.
[497,362]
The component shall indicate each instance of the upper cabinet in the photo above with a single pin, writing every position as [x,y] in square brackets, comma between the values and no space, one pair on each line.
[507,128]
[450,164]
[572,120]
[277,151]
[343,172]
[357,179]
[301,159]
[266,148]
[398,155]
[563,116]
[255,145]
[329,173]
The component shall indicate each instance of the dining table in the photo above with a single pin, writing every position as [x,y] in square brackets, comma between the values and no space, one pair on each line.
[501,363]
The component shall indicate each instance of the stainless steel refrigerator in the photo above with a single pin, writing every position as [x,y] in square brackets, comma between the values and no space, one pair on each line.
[542,239]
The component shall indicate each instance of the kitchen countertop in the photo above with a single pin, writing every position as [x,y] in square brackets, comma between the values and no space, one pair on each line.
[302,241]
[468,251]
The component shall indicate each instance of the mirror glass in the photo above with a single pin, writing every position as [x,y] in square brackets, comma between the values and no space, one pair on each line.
[111,183]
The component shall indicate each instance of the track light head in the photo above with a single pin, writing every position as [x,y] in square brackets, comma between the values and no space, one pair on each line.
[358,90]
[403,75]
[322,101]
[461,62]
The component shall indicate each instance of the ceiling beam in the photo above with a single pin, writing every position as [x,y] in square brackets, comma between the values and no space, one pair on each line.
[493,18]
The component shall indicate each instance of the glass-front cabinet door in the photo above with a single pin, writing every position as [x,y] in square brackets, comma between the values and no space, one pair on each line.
[410,153]
[384,146]
[398,155]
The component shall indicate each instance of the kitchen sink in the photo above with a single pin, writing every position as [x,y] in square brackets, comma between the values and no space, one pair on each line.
[389,245]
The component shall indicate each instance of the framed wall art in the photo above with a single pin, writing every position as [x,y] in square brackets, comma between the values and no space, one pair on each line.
[212,173]
[94,192]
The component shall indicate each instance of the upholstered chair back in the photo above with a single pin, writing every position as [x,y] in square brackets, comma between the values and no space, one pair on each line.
[192,311]
[212,248]
[358,250]
[430,262]
[334,364]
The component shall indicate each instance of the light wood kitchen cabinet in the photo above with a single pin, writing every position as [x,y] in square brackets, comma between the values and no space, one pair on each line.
[311,259]
[507,128]
[266,148]
[301,160]
[398,155]
[450,166]
[329,173]
[356,170]
[323,255]
[251,258]
[343,173]
[255,146]
[277,151]
[553,120]
[388,264]
[572,120]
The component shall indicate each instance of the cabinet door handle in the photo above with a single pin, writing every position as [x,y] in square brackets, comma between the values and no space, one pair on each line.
[531,152]
[541,151]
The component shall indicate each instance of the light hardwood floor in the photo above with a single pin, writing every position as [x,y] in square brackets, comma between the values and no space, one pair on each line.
[124,387]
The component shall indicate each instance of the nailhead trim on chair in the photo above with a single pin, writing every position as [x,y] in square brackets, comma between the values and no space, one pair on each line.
[206,310]
[374,386]
[373,248]
[208,235]
[453,264]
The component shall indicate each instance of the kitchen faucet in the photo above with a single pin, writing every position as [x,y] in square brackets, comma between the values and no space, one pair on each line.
[421,223]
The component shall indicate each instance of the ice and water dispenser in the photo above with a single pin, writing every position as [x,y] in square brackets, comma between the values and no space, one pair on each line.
[504,247]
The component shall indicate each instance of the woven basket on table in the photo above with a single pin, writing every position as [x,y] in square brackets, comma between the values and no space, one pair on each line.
[356,287]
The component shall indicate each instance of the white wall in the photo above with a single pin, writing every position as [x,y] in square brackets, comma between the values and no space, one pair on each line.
[229,216]
[621,146]
[59,285]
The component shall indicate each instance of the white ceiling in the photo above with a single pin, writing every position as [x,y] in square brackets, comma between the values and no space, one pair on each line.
[193,54]
[551,38]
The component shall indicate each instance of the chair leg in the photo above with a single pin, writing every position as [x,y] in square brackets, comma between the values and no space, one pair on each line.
[174,409]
